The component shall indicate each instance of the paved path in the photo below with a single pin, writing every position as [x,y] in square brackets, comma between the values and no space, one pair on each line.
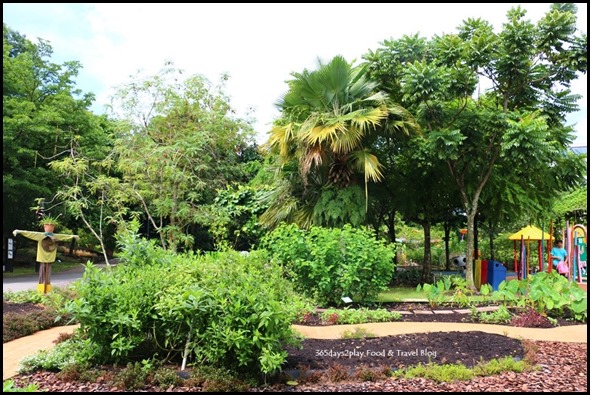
[30,281]
[569,334]
[14,351]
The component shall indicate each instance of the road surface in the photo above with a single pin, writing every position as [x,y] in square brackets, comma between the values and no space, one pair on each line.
[27,282]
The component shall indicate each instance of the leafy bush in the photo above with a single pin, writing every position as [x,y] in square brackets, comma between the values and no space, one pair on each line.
[500,316]
[449,289]
[216,379]
[359,316]
[131,377]
[329,264]
[165,377]
[546,293]
[75,351]
[225,308]
[407,277]
[531,319]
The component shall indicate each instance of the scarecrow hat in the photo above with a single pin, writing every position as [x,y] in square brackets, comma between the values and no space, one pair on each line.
[49,244]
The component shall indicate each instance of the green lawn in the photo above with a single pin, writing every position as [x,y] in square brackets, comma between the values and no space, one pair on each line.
[401,294]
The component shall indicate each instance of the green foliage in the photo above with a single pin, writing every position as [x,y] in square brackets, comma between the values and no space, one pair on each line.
[449,289]
[500,316]
[329,264]
[227,309]
[74,351]
[501,365]
[40,99]
[440,373]
[360,316]
[407,277]
[358,333]
[235,222]
[458,372]
[217,379]
[546,293]
[131,377]
[572,202]
[25,296]
[178,143]
[9,386]
[166,377]
[325,141]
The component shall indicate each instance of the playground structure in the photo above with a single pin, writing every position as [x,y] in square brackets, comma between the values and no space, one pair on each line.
[575,243]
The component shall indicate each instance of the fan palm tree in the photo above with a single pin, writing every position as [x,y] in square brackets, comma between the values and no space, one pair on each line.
[330,117]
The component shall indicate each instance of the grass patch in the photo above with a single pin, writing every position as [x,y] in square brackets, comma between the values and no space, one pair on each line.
[358,333]
[399,294]
[458,372]
[358,316]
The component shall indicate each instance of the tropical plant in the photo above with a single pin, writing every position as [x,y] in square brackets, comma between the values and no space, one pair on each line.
[330,117]
[545,293]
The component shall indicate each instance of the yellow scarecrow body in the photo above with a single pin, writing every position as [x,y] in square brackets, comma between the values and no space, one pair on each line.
[46,253]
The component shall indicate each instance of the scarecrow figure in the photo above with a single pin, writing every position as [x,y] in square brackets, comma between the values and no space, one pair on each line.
[46,251]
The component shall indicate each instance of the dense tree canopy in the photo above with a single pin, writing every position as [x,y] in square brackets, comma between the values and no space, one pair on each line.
[43,113]
[515,130]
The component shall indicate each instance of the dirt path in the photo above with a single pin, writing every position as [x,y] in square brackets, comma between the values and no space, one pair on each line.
[14,351]
[570,334]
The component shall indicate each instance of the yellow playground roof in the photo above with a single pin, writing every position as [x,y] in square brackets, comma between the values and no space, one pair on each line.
[530,233]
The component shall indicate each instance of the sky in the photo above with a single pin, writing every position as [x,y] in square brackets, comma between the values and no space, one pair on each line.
[258,45]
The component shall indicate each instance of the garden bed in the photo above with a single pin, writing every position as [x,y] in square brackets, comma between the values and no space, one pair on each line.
[423,312]
[561,367]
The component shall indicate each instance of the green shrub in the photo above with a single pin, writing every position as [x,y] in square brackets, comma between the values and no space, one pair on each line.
[225,308]
[131,377]
[74,351]
[359,316]
[500,316]
[165,377]
[546,293]
[329,264]
[447,290]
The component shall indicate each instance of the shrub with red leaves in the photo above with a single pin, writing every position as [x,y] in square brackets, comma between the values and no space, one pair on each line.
[531,319]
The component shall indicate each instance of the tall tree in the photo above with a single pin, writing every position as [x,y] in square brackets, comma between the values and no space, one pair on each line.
[329,119]
[517,127]
[179,142]
[42,113]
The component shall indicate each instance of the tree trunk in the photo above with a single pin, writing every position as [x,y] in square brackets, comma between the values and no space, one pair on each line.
[447,238]
[475,238]
[470,241]
[391,231]
[427,264]
[492,255]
